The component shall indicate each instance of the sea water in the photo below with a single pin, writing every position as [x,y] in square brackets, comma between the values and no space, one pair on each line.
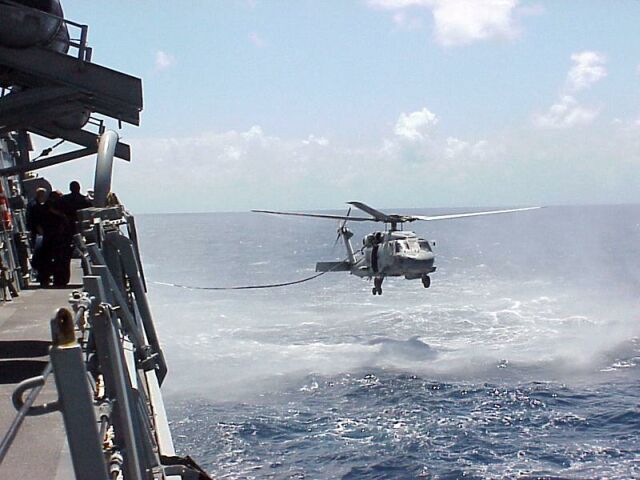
[520,360]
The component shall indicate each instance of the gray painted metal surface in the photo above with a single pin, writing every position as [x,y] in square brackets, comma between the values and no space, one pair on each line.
[23,322]
[76,404]
[104,167]
[105,357]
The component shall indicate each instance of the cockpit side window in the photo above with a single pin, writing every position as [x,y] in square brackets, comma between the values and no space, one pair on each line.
[401,246]
[425,244]
[412,245]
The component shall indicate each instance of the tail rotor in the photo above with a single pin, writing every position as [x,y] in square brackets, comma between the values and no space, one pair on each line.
[342,228]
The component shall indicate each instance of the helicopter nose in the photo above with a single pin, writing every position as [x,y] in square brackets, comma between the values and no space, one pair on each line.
[424,262]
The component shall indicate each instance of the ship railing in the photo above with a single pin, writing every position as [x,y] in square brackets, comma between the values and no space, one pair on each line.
[115,258]
[125,346]
[107,364]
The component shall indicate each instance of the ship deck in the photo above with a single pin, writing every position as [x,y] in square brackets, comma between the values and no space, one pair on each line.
[40,449]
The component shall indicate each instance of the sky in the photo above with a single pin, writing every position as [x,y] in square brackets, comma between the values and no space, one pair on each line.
[305,105]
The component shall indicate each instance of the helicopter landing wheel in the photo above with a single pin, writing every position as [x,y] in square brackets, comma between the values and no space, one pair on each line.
[426,281]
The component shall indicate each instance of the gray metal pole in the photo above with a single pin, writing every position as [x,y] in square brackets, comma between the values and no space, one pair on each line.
[104,167]
[76,401]
[130,265]
[117,379]
[8,439]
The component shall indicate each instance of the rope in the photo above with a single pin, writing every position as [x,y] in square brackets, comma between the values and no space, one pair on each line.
[250,287]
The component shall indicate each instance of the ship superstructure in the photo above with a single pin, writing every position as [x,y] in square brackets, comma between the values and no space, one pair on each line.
[103,353]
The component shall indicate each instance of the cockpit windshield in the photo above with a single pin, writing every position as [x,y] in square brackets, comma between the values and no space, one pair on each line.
[407,246]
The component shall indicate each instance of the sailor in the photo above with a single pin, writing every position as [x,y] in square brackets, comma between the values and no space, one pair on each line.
[36,209]
[69,205]
[55,226]
[36,215]
[74,201]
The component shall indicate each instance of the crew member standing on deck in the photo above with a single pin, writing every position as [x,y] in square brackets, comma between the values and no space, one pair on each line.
[54,227]
[70,204]
[37,211]
[74,201]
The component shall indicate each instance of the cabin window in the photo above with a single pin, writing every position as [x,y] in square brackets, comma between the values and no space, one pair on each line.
[401,246]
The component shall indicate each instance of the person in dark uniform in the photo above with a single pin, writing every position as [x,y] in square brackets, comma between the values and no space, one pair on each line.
[36,210]
[55,226]
[74,201]
[69,205]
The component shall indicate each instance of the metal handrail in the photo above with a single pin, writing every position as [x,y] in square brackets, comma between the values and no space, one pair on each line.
[10,436]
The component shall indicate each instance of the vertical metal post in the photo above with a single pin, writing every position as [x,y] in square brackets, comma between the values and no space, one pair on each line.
[104,167]
[23,157]
[117,380]
[133,235]
[113,261]
[82,53]
[125,248]
[75,398]
[115,297]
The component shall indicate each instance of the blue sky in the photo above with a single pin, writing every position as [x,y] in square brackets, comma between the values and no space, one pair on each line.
[415,103]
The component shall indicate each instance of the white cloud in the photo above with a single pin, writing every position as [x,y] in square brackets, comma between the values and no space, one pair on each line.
[566,113]
[164,60]
[455,147]
[461,22]
[476,153]
[588,68]
[416,143]
[313,140]
[257,40]
[239,170]
[415,125]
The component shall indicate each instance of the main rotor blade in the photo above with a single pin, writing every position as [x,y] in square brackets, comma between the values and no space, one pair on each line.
[471,214]
[377,214]
[318,215]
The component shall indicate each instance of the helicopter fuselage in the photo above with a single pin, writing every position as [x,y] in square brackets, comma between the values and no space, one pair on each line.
[394,254]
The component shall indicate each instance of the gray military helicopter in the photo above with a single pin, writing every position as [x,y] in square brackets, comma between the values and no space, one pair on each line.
[393,252]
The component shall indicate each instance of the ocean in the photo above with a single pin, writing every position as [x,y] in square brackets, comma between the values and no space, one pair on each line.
[521,360]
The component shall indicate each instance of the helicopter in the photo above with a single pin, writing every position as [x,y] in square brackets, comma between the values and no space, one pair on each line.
[393,252]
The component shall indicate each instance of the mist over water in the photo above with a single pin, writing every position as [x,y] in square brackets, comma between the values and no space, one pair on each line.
[521,358]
